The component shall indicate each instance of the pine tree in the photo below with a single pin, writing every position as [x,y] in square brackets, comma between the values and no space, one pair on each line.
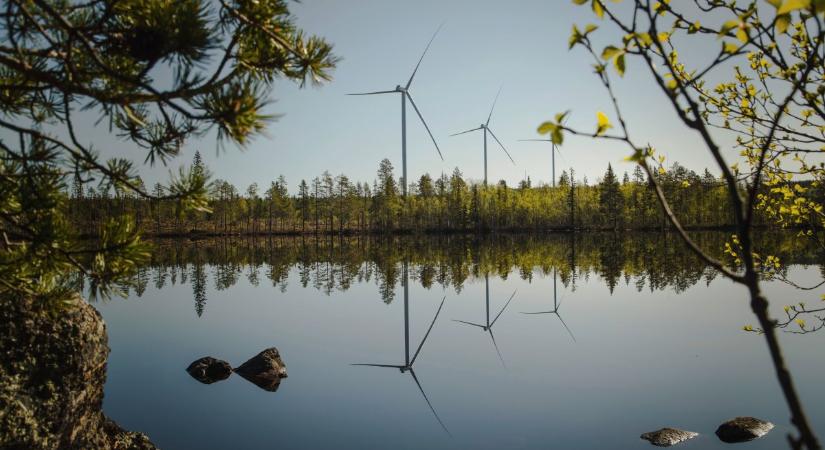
[303,203]
[610,199]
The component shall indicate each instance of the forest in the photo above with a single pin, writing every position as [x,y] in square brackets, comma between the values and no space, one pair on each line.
[447,203]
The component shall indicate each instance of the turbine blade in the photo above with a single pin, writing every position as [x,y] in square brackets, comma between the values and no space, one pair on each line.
[468,323]
[417,383]
[566,327]
[422,56]
[379,365]
[503,308]
[465,132]
[502,145]
[497,350]
[428,331]
[415,107]
[375,93]
[494,106]
[558,151]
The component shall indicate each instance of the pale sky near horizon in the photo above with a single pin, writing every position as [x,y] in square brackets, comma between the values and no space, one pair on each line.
[484,44]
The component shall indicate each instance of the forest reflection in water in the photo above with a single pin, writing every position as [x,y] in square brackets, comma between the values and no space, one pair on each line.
[654,261]
[449,341]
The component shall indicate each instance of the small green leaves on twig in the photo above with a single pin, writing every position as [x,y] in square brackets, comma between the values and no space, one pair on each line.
[554,128]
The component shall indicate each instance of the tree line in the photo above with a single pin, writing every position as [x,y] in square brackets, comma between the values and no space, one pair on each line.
[448,203]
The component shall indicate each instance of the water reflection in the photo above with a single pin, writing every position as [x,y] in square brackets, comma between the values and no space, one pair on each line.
[556,305]
[654,261]
[488,325]
[643,358]
[407,367]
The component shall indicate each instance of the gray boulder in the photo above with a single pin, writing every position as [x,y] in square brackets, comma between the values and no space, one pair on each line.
[208,370]
[668,436]
[52,373]
[264,370]
[743,429]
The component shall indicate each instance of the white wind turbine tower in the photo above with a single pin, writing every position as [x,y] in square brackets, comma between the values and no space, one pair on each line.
[555,149]
[553,154]
[485,127]
[405,94]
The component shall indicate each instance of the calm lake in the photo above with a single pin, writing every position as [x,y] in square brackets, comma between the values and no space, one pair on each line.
[562,341]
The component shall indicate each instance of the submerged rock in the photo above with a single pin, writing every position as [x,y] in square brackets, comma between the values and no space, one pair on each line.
[52,372]
[668,436]
[743,429]
[265,369]
[208,370]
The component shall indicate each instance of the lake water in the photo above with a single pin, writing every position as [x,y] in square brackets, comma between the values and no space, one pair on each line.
[633,334]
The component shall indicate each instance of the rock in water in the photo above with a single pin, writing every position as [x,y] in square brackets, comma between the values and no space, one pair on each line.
[265,369]
[668,436]
[208,370]
[743,429]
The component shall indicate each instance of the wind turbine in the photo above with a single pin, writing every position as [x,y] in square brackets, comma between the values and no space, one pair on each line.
[555,309]
[405,95]
[408,362]
[488,325]
[555,149]
[485,127]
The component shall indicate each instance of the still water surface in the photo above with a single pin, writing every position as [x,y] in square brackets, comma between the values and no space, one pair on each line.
[568,342]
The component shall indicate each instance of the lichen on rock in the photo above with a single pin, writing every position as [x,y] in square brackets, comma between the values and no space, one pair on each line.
[52,373]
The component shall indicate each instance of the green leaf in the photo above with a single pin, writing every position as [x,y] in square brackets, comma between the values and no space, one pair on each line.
[547,127]
[620,65]
[610,51]
[727,26]
[602,123]
[575,37]
[782,23]
[598,8]
[793,5]
[557,136]
[742,35]
[729,47]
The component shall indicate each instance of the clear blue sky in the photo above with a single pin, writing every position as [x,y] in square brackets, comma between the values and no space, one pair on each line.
[484,44]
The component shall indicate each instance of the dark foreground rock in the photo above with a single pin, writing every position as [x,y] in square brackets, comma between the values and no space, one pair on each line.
[52,372]
[265,369]
[743,429]
[208,370]
[668,436]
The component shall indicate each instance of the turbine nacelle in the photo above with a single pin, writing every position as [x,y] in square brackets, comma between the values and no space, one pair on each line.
[485,127]
[405,96]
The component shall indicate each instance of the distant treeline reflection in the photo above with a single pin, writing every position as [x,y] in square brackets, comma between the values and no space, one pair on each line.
[654,261]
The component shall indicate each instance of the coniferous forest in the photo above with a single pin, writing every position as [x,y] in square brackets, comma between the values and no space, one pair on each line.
[448,203]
